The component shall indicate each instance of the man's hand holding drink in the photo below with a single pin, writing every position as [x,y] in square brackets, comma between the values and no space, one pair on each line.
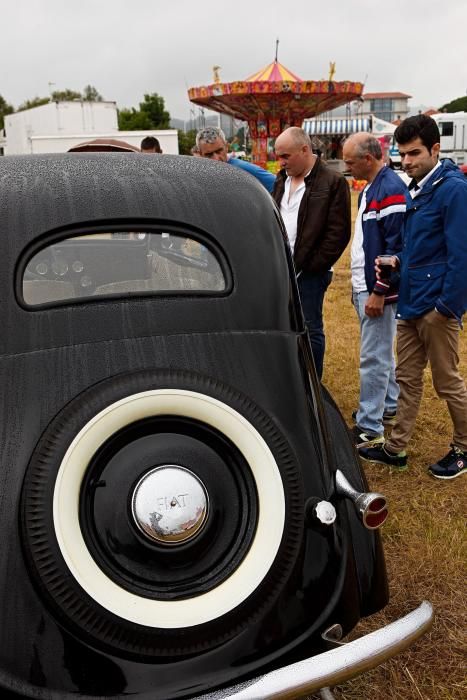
[385,265]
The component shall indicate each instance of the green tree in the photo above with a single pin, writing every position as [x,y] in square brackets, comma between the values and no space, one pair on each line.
[457,105]
[150,115]
[154,106]
[35,102]
[133,120]
[66,95]
[91,94]
[186,141]
[5,109]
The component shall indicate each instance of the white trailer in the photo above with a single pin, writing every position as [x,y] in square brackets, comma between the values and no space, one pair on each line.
[57,126]
[453,138]
[58,119]
[453,131]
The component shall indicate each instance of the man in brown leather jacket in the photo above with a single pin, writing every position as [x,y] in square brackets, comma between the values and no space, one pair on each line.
[315,204]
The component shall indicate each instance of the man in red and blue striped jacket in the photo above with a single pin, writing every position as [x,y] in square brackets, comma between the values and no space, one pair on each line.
[377,232]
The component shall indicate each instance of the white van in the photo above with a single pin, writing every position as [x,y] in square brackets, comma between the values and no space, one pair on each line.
[453,138]
[453,130]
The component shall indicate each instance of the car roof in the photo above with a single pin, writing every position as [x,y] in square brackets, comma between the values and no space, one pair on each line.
[45,192]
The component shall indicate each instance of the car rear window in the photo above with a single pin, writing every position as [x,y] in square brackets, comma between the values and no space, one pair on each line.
[120,262]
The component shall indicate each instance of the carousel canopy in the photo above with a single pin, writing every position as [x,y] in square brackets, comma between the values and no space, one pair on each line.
[274,71]
[275,93]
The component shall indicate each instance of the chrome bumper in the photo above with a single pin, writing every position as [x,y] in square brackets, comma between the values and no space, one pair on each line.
[333,667]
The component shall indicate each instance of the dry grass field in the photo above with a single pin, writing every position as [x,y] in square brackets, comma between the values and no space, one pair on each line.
[425,536]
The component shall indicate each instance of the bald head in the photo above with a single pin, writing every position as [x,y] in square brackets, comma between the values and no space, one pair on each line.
[364,143]
[293,151]
[363,156]
[294,135]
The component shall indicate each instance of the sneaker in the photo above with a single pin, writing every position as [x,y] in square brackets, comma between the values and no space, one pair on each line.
[381,455]
[361,438]
[452,465]
[389,417]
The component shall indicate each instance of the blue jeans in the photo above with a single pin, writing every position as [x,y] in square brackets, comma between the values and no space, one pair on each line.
[312,288]
[378,387]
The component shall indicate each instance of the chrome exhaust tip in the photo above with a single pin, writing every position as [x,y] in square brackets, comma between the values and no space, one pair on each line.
[372,508]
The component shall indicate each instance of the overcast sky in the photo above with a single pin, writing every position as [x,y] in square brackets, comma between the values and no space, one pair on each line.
[126,49]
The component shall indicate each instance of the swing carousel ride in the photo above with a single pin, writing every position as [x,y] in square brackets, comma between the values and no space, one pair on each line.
[273,99]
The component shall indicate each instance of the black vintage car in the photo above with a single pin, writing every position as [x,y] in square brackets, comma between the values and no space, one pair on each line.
[182,512]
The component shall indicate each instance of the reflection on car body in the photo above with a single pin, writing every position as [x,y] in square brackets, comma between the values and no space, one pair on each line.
[183,513]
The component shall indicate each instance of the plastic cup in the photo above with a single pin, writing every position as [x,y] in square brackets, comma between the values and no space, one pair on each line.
[385,266]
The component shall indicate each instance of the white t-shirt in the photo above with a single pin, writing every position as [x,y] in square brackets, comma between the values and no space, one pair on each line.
[357,256]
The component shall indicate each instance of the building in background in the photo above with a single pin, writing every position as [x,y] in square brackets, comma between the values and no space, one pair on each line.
[389,106]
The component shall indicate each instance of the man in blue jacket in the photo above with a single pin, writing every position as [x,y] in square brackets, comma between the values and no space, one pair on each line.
[377,232]
[211,143]
[432,297]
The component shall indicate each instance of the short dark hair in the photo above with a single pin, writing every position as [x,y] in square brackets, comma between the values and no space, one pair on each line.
[150,142]
[420,126]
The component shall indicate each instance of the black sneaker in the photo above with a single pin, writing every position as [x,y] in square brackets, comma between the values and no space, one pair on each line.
[381,455]
[389,417]
[361,437]
[454,464]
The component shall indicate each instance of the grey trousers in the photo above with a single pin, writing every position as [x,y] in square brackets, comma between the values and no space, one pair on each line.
[432,338]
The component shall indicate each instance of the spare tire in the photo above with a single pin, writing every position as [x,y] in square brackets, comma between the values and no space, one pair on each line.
[161,513]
